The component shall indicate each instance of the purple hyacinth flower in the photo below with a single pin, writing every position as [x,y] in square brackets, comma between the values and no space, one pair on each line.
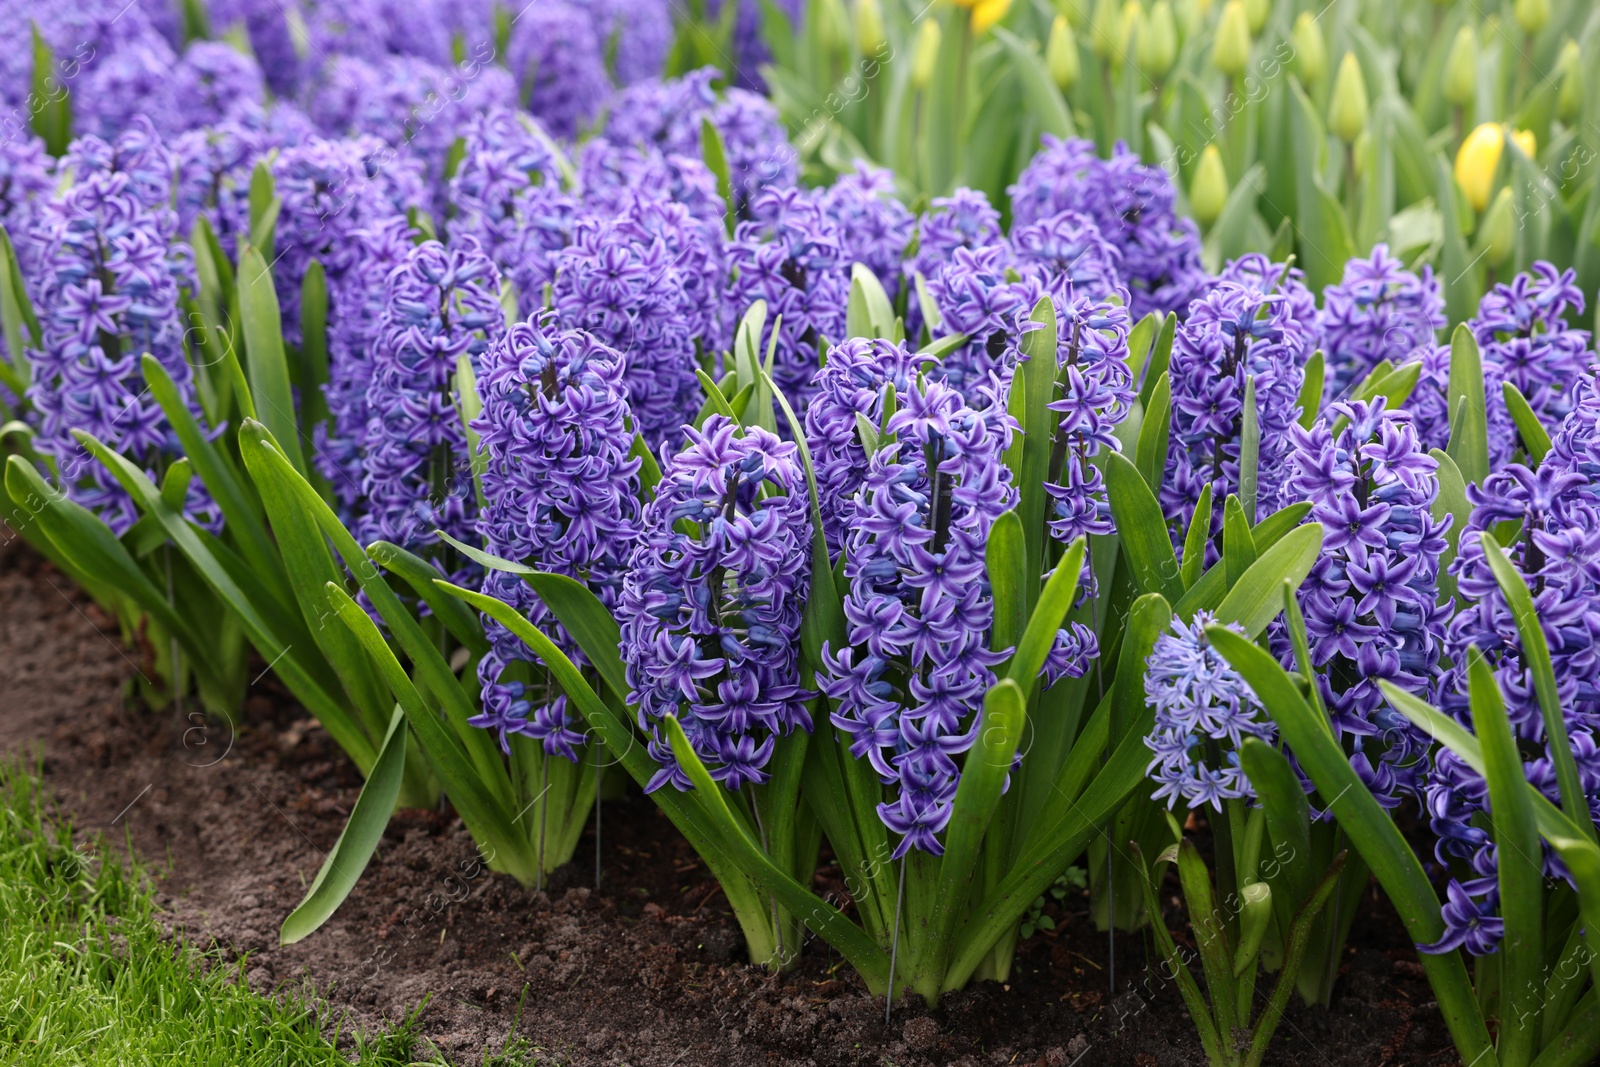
[561,491]
[1380,311]
[556,56]
[908,685]
[711,616]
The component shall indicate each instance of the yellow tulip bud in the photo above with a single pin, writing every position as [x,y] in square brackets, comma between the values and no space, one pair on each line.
[1532,14]
[1497,237]
[1347,110]
[925,53]
[1103,29]
[1461,68]
[1310,50]
[1209,190]
[1158,41]
[869,26]
[1231,52]
[1257,12]
[1061,54]
[1130,27]
[1570,99]
[1480,156]
[988,12]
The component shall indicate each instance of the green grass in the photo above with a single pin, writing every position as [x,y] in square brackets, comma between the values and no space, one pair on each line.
[86,977]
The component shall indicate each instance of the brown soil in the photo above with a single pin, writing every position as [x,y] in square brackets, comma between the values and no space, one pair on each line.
[646,971]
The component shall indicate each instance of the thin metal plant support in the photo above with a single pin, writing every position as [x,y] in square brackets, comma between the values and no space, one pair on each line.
[544,817]
[598,771]
[894,944]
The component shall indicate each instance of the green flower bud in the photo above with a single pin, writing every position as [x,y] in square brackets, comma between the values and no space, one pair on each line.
[1061,54]
[1130,27]
[1231,52]
[869,26]
[1257,12]
[925,53]
[1570,98]
[1076,12]
[1347,110]
[1158,41]
[1209,190]
[1255,915]
[1532,15]
[1310,50]
[834,28]
[1191,13]
[1497,235]
[1103,29]
[1461,68]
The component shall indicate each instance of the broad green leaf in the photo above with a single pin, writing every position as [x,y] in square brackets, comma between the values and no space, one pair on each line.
[1160,358]
[1521,858]
[1535,438]
[1048,613]
[1469,426]
[1249,449]
[1039,425]
[1278,789]
[868,311]
[1536,657]
[267,367]
[1212,586]
[469,405]
[1311,390]
[1369,827]
[348,858]
[1142,530]
[1257,596]
[1148,619]
[419,574]
[1238,547]
[716,160]
[1007,570]
[1154,433]
[1194,543]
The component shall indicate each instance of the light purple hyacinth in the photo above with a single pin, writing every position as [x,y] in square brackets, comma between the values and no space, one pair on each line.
[353,337]
[908,685]
[964,219]
[875,227]
[1371,601]
[1379,311]
[1204,711]
[266,25]
[439,304]
[1553,549]
[1067,255]
[561,492]
[556,57]
[213,80]
[508,196]
[330,189]
[107,295]
[1246,326]
[792,256]
[1132,204]
[637,283]
[711,614]
[134,79]
[82,35]
[1521,328]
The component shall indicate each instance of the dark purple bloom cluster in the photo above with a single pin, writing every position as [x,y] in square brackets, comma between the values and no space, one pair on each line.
[611,178]
[508,197]
[1204,711]
[979,294]
[668,115]
[561,495]
[108,294]
[556,55]
[331,189]
[352,340]
[1380,311]
[1371,602]
[27,176]
[876,228]
[1133,205]
[856,380]
[792,255]
[1522,330]
[711,611]
[908,687]
[1067,255]
[212,81]
[965,219]
[1257,321]
[1095,394]
[1552,534]
[639,283]
[439,304]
